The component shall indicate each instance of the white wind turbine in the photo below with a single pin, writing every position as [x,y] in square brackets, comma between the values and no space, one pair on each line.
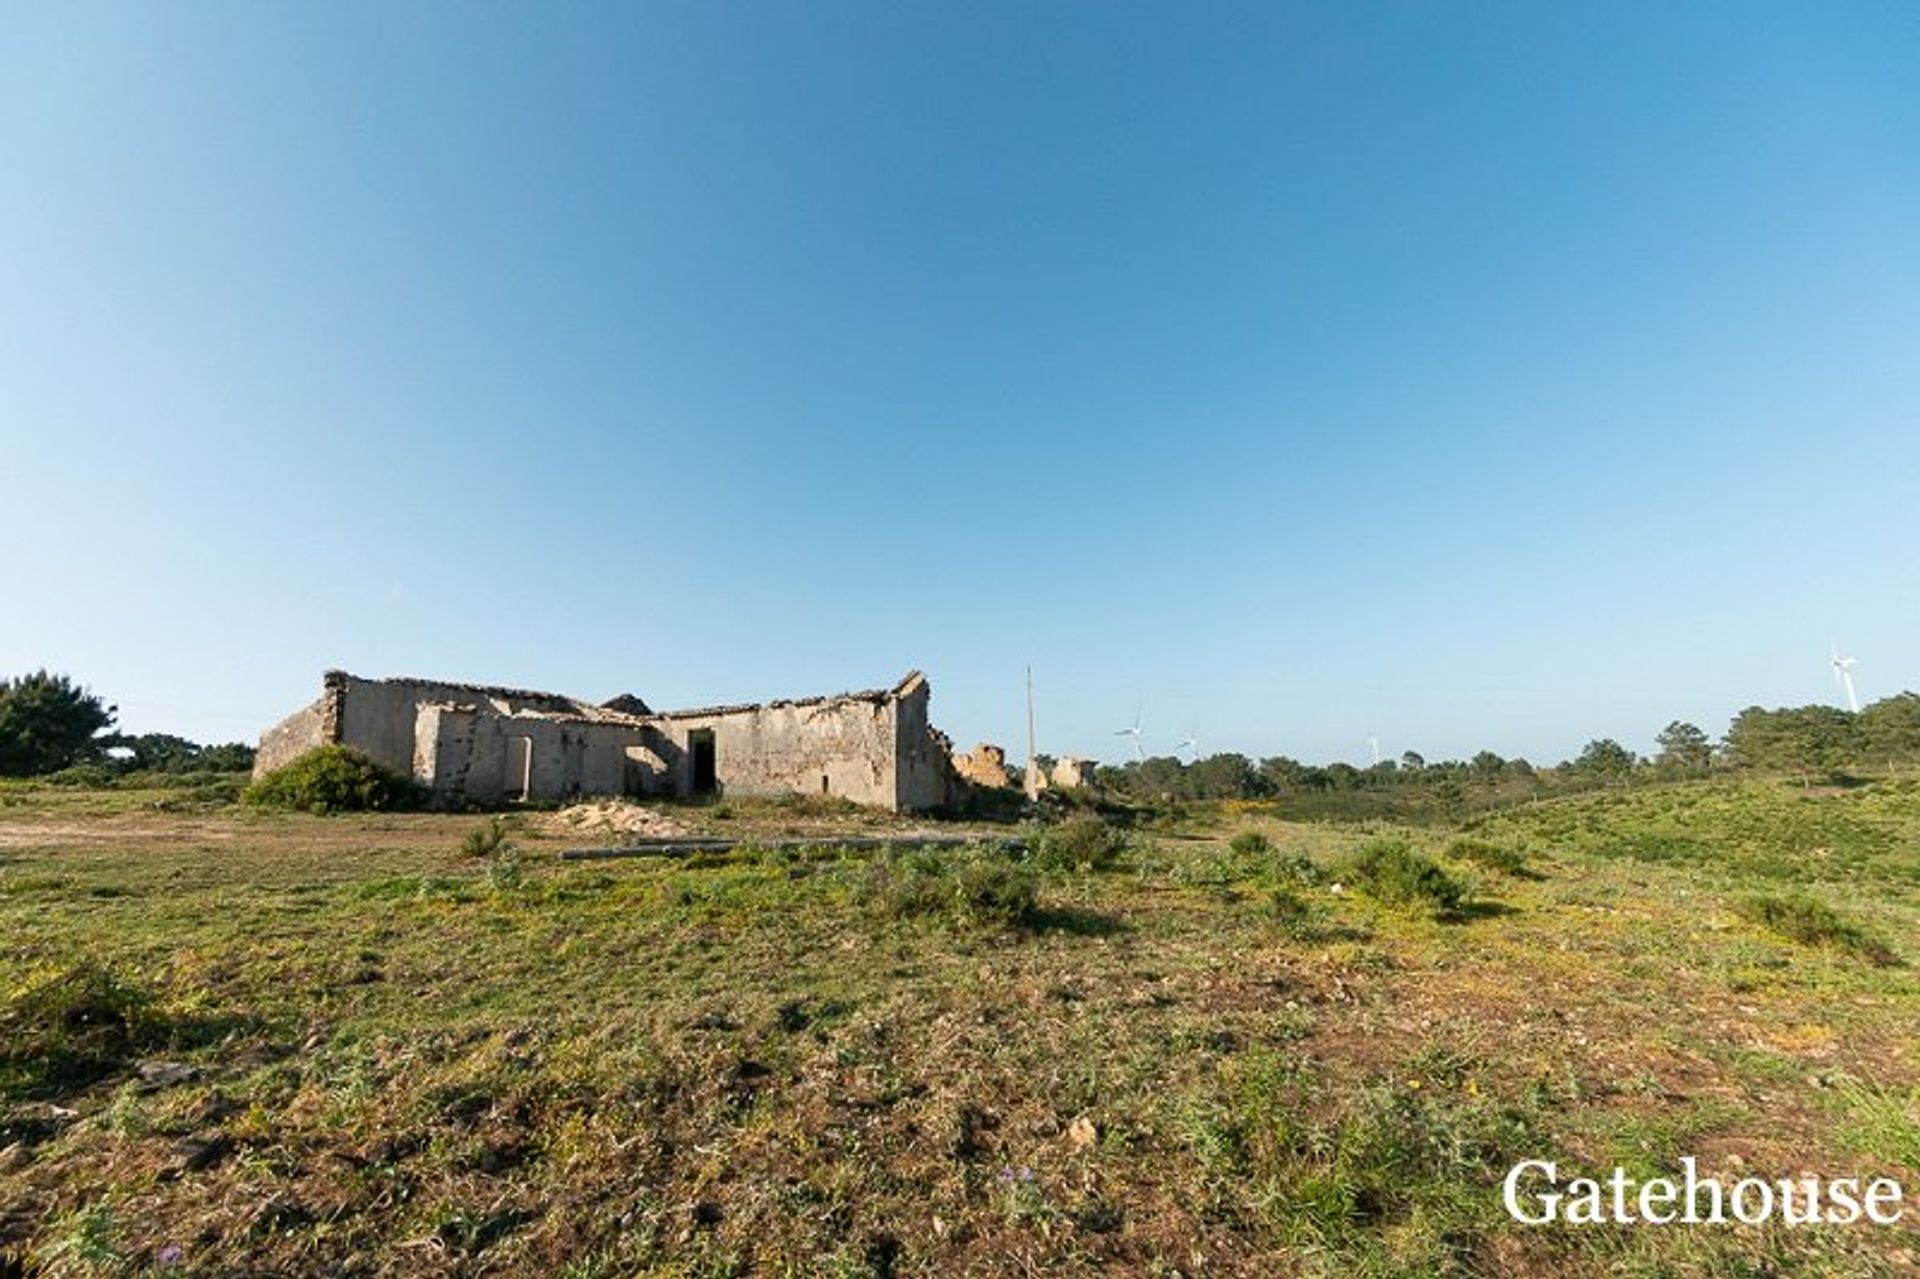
[1134,733]
[1191,742]
[1843,671]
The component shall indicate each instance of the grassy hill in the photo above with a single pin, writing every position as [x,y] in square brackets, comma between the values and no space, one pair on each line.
[240,1042]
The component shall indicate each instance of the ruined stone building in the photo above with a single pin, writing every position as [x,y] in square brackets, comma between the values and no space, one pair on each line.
[1069,772]
[984,765]
[473,744]
[1073,772]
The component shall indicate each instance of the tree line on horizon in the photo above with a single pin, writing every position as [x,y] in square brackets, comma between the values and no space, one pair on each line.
[50,726]
[1814,741]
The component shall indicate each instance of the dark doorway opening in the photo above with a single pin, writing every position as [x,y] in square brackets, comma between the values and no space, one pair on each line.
[706,778]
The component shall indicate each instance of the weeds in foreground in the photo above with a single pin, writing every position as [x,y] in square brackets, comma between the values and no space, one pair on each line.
[505,873]
[1297,917]
[1398,1156]
[1881,1122]
[1079,844]
[1805,919]
[554,1101]
[1488,856]
[1250,844]
[82,1243]
[485,839]
[67,1026]
[965,886]
[1391,871]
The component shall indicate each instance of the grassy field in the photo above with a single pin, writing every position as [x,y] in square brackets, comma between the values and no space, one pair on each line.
[244,1043]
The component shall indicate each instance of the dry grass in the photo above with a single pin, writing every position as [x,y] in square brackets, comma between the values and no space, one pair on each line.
[406,1066]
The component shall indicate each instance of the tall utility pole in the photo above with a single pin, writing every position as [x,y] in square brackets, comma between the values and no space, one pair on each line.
[1033,779]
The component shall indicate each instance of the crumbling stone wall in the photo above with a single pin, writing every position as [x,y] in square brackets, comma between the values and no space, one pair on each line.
[469,755]
[840,747]
[985,765]
[1071,772]
[292,737]
[378,716]
[923,754]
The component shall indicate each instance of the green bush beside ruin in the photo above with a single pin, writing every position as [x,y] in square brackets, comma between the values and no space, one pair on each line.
[335,779]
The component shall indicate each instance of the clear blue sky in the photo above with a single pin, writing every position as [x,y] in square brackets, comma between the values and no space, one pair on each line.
[1486,375]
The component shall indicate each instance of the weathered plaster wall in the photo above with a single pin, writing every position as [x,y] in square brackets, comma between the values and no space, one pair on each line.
[377,716]
[838,746]
[292,737]
[468,756]
[924,755]
[377,719]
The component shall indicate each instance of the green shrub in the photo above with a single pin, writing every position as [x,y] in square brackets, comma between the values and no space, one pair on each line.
[1250,843]
[65,1027]
[335,779]
[485,839]
[1298,869]
[505,872]
[964,886]
[1286,905]
[1480,852]
[1290,910]
[87,776]
[196,780]
[1079,843]
[489,840]
[1390,871]
[1809,921]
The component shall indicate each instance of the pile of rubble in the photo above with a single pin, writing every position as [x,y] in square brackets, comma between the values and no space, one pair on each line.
[617,816]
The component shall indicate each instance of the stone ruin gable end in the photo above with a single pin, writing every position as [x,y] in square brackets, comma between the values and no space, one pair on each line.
[293,737]
[923,754]
[316,724]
